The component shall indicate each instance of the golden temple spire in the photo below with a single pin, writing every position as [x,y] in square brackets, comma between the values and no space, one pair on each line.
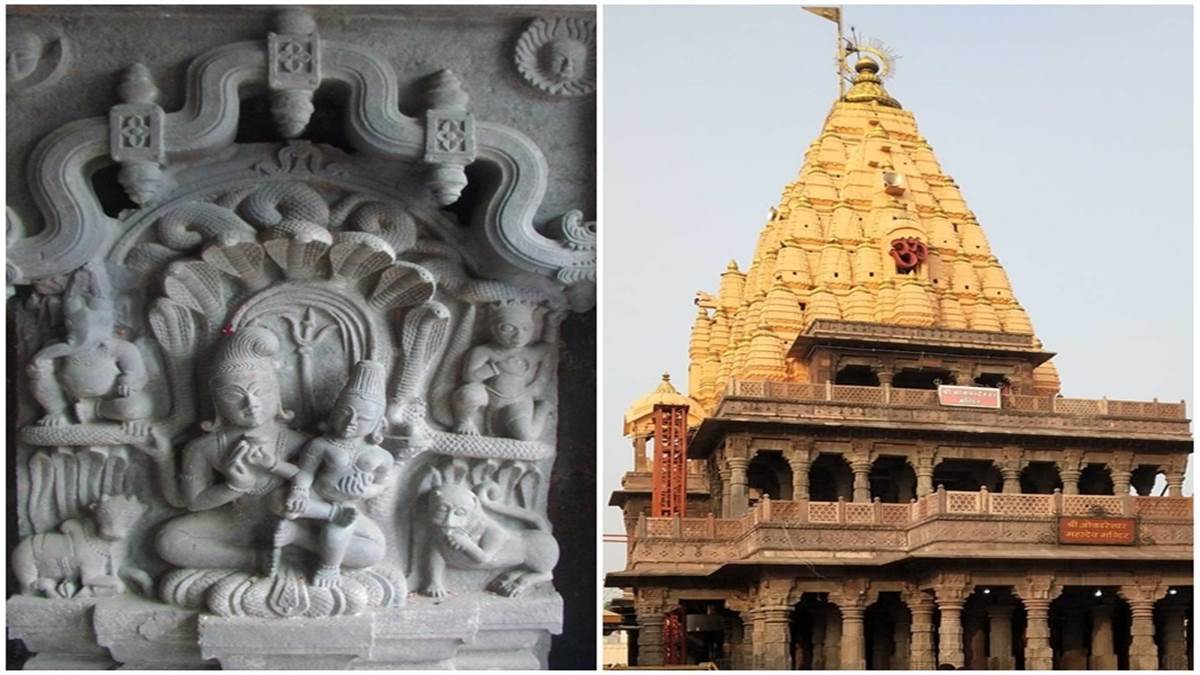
[868,86]
[871,231]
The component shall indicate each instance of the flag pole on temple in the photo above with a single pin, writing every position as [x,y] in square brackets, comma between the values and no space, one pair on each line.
[834,14]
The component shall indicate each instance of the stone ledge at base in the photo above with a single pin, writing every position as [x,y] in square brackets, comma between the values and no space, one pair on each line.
[457,633]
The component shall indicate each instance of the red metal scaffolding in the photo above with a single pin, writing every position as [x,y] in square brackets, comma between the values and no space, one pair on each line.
[669,492]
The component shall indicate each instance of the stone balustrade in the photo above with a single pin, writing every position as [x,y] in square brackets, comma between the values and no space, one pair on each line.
[886,395]
[942,518]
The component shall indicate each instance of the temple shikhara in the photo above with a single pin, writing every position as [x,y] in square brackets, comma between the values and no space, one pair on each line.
[873,466]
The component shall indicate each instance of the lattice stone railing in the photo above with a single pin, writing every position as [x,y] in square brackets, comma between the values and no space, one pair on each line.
[1092,505]
[887,396]
[983,504]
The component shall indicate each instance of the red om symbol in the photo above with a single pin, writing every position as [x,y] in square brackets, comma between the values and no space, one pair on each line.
[908,252]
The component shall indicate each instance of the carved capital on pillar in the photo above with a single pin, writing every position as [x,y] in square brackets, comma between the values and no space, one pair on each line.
[1012,457]
[854,596]
[740,603]
[800,454]
[1070,460]
[926,460]
[1143,591]
[774,592]
[737,446]
[650,603]
[917,599]
[1122,460]
[952,589]
[1038,588]
[859,456]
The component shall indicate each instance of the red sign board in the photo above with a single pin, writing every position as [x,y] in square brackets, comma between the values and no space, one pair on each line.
[1103,531]
[968,397]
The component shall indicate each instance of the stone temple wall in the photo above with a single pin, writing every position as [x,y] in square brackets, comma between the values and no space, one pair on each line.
[302,339]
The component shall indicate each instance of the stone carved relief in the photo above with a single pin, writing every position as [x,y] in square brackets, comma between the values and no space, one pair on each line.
[35,59]
[466,531]
[292,385]
[558,55]
[85,557]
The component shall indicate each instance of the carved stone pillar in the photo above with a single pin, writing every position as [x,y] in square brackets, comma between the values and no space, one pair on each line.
[1069,469]
[1000,643]
[1074,652]
[1120,469]
[1103,654]
[1174,638]
[1141,596]
[1010,469]
[853,652]
[774,651]
[852,602]
[924,470]
[1175,482]
[920,605]
[639,454]
[1036,594]
[650,636]
[799,461]
[950,593]
[739,498]
[860,465]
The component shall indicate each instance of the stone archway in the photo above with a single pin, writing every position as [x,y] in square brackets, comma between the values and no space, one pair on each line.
[893,480]
[830,478]
[1040,478]
[1095,479]
[769,475]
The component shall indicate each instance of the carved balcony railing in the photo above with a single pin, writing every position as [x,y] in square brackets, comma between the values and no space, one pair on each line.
[887,404]
[944,518]
[892,396]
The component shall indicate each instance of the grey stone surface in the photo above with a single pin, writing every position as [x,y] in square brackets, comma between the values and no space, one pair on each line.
[287,296]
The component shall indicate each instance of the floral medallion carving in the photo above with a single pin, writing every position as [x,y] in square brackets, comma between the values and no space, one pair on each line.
[558,55]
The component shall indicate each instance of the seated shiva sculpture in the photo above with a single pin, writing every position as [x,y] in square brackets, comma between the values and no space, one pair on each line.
[347,466]
[229,477]
[504,391]
[94,376]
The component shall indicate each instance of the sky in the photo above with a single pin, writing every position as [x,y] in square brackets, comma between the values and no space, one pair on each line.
[1068,130]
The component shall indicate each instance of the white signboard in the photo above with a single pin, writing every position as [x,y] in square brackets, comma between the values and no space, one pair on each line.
[968,397]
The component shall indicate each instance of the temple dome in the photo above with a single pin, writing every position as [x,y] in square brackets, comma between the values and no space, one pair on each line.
[639,418]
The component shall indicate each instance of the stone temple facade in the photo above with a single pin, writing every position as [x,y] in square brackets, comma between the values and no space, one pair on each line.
[880,470]
[290,294]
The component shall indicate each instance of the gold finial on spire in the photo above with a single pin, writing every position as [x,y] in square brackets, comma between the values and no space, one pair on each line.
[868,86]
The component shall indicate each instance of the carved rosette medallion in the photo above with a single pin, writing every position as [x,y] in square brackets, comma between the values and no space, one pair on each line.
[558,56]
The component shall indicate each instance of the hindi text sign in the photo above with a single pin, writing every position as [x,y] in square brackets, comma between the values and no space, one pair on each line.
[1102,531]
[968,397]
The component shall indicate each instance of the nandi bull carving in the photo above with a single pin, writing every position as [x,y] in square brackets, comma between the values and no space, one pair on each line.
[85,557]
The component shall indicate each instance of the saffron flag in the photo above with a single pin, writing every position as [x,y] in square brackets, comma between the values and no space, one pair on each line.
[831,13]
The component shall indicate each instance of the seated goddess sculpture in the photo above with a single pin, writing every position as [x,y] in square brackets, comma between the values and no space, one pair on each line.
[347,466]
[234,478]
[505,379]
[94,376]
